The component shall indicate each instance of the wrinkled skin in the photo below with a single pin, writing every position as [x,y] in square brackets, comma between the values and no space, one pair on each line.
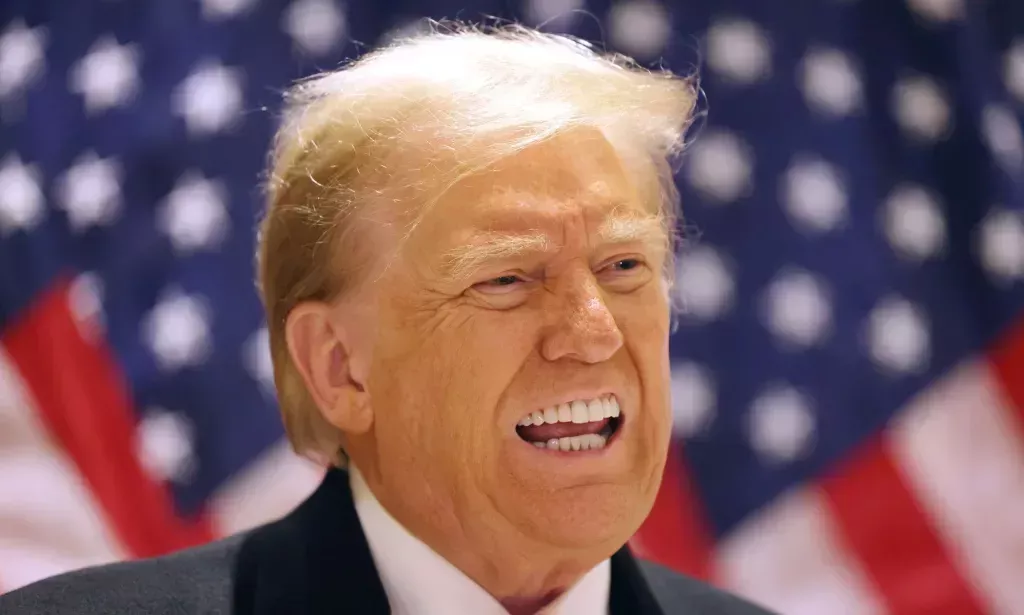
[429,368]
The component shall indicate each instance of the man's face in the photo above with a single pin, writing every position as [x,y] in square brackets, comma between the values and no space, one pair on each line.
[533,287]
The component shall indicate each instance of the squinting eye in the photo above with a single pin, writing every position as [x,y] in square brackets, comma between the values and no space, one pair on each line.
[625,274]
[500,285]
[505,280]
[626,264]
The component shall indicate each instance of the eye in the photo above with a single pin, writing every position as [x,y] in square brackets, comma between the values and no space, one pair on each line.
[626,264]
[505,280]
[501,284]
[625,274]
[622,266]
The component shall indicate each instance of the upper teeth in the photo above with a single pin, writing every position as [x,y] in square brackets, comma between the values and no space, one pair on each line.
[579,411]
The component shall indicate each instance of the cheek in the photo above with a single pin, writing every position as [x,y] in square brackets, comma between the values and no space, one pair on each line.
[645,328]
[438,386]
[644,321]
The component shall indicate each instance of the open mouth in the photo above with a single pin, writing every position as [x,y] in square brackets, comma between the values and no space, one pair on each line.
[580,425]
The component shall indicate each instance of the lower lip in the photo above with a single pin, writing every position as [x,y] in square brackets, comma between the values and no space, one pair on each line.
[592,452]
[558,469]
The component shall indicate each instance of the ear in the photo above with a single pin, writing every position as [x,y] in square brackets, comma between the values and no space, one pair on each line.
[321,351]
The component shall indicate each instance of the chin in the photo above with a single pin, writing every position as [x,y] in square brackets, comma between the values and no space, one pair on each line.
[590,500]
[594,517]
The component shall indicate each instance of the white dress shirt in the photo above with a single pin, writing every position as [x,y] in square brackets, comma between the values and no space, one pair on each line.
[418,581]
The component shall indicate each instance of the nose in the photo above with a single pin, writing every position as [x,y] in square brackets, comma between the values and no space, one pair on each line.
[581,326]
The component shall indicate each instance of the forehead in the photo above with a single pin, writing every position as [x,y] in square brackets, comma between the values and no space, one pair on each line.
[575,176]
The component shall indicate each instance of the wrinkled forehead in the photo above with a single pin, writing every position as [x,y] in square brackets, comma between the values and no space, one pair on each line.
[578,175]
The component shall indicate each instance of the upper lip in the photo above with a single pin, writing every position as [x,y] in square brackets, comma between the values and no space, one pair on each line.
[570,396]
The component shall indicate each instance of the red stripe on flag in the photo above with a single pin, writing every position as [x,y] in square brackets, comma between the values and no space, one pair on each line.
[84,401]
[675,534]
[881,523]
[1007,362]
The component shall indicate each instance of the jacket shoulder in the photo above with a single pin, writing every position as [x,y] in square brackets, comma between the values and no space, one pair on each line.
[681,595]
[192,581]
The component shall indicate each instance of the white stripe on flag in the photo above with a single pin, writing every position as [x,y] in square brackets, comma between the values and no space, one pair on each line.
[960,448]
[49,521]
[267,489]
[787,558]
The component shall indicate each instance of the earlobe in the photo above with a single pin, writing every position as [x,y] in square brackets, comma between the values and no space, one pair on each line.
[319,349]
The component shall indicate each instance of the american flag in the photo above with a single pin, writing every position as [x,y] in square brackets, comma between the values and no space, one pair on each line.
[848,375]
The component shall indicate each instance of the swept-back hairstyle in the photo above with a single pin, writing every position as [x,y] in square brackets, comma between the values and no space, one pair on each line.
[418,115]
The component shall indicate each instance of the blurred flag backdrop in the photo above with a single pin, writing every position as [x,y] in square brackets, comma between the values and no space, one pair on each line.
[848,376]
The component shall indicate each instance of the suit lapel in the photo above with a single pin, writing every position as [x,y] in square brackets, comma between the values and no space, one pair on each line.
[630,592]
[315,561]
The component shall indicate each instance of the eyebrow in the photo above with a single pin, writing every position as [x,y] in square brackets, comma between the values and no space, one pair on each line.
[494,246]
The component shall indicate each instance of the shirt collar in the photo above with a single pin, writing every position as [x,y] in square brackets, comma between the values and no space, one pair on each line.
[418,580]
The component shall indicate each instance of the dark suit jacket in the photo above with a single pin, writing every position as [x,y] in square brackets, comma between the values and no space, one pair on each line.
[315,561]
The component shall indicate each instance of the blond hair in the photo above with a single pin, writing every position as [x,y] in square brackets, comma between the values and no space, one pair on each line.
[420,114]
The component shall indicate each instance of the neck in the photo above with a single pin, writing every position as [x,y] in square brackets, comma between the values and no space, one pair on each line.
[524,575]
[528,606]
[522,585]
